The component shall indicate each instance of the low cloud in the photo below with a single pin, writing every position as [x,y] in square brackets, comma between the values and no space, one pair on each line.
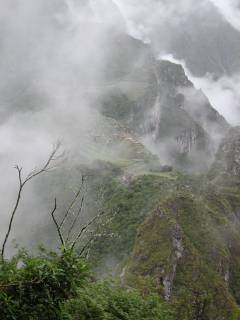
[53,57]
[230,10]
[223,93]
[143,18]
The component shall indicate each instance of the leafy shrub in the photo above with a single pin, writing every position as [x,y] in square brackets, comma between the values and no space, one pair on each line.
[107,301]
[34,287]
[59,287]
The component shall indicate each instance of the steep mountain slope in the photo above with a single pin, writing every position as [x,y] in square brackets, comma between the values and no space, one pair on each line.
[173,233]
[198,33]
[203,41]
[155,100]
[176,234]
[165,229]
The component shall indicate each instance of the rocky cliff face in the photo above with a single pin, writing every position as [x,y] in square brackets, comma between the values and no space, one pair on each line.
[201,36]
[155,100]
[176,233]
[227,161]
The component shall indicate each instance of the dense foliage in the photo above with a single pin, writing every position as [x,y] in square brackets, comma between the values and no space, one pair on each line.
[60,286]
[162,230]
[34,287]
[107,301]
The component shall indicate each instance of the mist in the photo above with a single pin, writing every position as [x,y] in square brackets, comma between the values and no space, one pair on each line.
[173,30]
[223,93]
[230,10]
[54,60]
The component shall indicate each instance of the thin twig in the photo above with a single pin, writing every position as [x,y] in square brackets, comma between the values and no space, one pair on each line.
[85,227]
[13,212]
[87,244]
[46,167]
[56,223]
[22,184]
[76,196]
[75,219]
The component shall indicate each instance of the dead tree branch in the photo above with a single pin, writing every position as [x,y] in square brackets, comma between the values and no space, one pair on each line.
[73,202]
[22,182]
[87,244]
[76,218]
[57,225]
[70,221]
[83,229]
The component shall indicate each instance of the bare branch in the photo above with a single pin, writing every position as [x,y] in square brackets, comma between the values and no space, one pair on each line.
[73,202]
[84,228]
[46,166]
[19,170]
[56,223]
[76,218]
[53,156]
[13,212]
[87,244]
[93,235]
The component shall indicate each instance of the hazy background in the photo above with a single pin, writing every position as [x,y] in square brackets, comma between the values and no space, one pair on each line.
[203,36]
[53,57]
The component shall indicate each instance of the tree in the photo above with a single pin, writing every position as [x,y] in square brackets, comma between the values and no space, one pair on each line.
[48,166]
[66,227]
[69,241]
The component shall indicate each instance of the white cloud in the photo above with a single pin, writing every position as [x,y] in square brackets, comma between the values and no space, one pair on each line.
[223,93]
[230,9]
[56,56]
[142,17]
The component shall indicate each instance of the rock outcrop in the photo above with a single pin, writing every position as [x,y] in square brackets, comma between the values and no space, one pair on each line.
[155,100]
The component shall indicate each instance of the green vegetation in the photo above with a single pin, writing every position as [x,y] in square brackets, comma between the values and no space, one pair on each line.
[168,237]
[59,286]
[34,287]
[180,234]
[107,301]
[171,243]
[127,206]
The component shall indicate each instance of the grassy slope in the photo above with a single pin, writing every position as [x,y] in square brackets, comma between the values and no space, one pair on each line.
[149,214]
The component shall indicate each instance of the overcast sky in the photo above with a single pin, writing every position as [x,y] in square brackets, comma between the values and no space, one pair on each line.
[230,9]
